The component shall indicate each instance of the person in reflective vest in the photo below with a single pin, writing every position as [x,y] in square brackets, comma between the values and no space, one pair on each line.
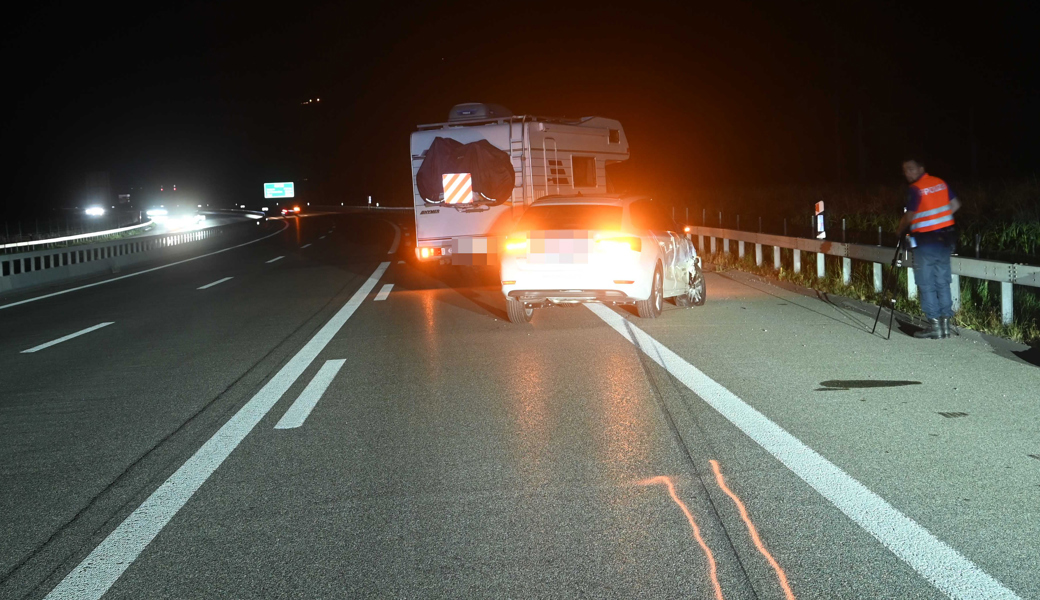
[930,205]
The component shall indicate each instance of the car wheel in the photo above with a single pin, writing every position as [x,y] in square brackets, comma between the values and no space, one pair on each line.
[651,307]
[696,290]
[518,312]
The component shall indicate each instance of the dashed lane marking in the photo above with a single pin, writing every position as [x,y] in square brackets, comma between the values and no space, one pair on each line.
[66,338]
[935,560]
[299,411]
[107,562]
[275,259]
[217,282]
[383,293]
[305,246]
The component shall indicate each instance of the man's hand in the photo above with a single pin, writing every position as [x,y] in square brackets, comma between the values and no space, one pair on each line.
[904,223]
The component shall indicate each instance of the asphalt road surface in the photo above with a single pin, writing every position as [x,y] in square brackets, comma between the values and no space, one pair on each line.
[312,415]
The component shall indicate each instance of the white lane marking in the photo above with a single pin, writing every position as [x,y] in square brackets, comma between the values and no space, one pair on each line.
[383,293]
[209,285]
[301,409]
[321,238]
[304,246]
[66,338]
[107,562]
[936,561]
[275,259]
[397,238]
[173,264]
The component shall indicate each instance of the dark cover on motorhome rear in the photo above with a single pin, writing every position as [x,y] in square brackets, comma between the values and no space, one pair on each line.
[491,168]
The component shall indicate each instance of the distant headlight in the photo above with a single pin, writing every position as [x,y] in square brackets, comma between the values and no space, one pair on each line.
[95,211]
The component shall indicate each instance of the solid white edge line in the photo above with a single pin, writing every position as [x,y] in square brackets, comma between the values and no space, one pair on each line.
[383,293]
[936,561]
[275,259]
[308,398]
[209,285]
[107,562]
[173,264]
[66,338]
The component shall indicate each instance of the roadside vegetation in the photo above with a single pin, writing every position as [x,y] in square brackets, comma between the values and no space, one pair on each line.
[980,300]
[997,221]
[1001,219]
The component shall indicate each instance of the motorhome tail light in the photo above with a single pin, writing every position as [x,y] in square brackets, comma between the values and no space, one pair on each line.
[429,252]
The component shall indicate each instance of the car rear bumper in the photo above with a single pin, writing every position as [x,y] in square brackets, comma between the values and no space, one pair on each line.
[543,297]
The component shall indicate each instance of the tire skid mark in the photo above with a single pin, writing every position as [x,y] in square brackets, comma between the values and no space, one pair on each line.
[781,576]
[712,567]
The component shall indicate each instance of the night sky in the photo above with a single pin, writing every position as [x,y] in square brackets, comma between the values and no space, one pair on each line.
[710,94]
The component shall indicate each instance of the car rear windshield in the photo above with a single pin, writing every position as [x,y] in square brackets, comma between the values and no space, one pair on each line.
[571,216]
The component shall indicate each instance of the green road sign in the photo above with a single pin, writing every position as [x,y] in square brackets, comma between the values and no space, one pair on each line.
[279,190]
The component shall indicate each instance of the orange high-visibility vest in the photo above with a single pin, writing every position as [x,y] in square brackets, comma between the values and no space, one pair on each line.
[934,211]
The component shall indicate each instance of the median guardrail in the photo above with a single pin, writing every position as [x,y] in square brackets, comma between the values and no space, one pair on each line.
[1008,274]
[52,265]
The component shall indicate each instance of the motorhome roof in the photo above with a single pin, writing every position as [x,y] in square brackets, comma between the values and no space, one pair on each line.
[513,119]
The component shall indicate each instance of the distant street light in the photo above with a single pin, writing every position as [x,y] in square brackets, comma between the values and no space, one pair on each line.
[95,211]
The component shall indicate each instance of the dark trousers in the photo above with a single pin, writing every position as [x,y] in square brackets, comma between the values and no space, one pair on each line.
[933,273]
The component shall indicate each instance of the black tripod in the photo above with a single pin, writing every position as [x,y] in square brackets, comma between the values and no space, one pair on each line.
[884,295]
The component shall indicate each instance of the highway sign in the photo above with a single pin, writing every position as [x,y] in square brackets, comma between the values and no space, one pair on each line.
[279,190]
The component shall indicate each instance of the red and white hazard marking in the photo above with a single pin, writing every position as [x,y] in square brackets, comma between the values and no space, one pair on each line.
[458,188]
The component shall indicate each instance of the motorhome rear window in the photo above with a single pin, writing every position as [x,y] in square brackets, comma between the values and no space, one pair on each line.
[571,216]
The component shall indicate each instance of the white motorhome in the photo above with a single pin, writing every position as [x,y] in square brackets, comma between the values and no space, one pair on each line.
[548,155]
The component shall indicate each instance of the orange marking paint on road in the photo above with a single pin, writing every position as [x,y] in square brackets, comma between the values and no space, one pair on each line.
[754,532]
[666,481]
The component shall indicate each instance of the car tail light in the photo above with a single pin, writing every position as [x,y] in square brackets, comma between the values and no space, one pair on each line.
[619,245]
[517,245]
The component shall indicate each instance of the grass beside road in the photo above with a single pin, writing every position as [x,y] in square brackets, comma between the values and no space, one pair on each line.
[980,299]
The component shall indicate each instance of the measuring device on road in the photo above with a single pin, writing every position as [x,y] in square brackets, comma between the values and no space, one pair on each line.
[884,289]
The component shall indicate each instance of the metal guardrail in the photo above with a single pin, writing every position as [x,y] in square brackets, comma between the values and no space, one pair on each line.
[74,238]
[1008,274]
[37,267]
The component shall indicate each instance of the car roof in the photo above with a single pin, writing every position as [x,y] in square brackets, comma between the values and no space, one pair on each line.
[578,199]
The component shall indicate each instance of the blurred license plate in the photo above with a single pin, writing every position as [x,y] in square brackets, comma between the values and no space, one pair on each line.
[559,248]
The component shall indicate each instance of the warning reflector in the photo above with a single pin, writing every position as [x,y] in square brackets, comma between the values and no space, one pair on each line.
[458,188]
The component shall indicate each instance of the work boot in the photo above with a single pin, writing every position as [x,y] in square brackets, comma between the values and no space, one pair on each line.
[931,332]
[944,327]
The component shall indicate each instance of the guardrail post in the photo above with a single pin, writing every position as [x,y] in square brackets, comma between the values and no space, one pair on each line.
[700,243]
[846,271]
[758,254]
[1007,303]
[713,244]
[776,258]
[740,248]
[821,269]
[955,293]
[911,283]
[877,278]
[797,260]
